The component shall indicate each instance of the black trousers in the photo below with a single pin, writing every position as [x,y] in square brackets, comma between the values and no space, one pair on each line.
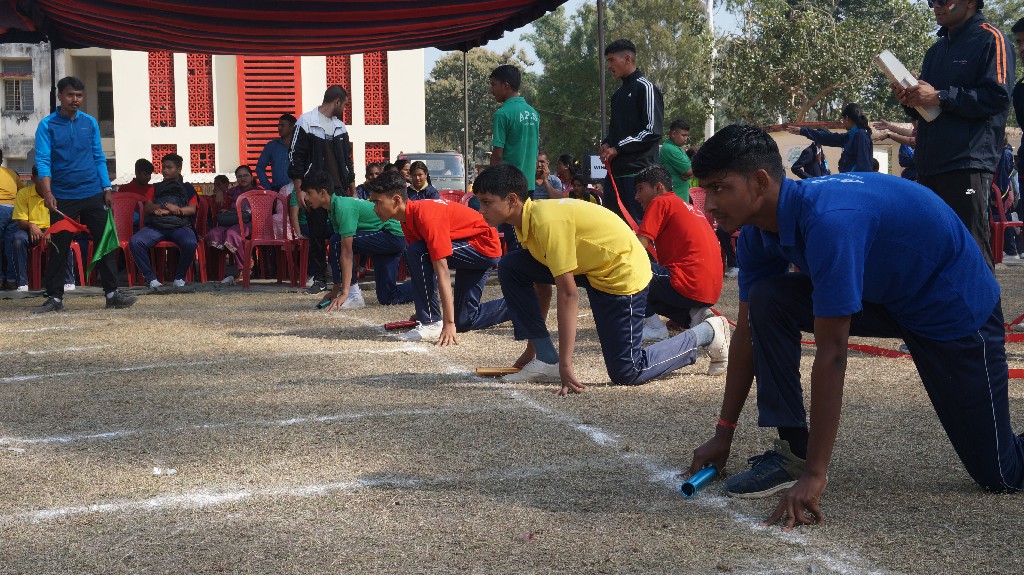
[319,232]
[92,213]
[967,192]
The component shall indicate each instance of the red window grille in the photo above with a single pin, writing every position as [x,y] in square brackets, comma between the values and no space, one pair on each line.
[339,71]
[375,88]
[200,90]
[268,86]
[161,90]
[161,150]
[377,152]
[203,160]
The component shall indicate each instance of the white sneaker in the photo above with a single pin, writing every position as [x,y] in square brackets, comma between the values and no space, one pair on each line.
[23,288]
[537,371]
[718,349]
[423,332]
[155,284]
[354,301]
[700,314]
[179,283]
[654,328]
[69,287]
[309,281]
[732,272]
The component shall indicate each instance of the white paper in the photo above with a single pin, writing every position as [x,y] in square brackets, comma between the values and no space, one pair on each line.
[897,72]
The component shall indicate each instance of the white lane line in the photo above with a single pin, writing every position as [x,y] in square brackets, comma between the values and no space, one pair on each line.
[39,329]
[199,499]
[55,350]
[293,421]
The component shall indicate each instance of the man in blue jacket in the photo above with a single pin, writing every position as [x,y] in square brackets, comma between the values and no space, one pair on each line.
[73,182]
[634,128]
[967,73]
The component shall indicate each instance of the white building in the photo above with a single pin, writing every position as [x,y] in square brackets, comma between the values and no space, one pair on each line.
[217,112]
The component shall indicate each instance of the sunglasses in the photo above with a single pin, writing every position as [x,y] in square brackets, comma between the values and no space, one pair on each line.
[939,3]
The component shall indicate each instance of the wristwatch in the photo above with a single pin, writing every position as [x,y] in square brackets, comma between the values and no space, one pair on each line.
[943,97]
[107,189]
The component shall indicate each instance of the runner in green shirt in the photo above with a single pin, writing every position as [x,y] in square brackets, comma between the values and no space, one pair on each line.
[516,124]
[673,157]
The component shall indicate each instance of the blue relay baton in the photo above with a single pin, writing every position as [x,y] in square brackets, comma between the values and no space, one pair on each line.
[698,480]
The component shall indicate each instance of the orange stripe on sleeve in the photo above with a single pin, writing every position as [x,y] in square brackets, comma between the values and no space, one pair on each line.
[1000,52]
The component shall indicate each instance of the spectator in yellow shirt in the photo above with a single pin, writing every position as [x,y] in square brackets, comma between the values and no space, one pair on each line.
[570,243]
[31,219]
[9,184]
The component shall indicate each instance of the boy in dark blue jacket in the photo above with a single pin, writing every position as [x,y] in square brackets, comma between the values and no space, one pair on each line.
[169,215]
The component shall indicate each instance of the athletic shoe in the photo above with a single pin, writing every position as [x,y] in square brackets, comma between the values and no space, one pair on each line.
[309,281]
[732,272]
[904,348]
[179,283]
[718,349]
[774,471]
[120,300]
[49,305]
[700,314]
[69,287]
[316,287]
[654,328]
[424,332]
[537,371]
[155,284]
[23,288]
[355,300]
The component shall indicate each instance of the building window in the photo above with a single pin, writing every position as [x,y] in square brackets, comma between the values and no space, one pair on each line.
[277,80]
[105,103]
[202,159]
[378,152]
[161,90]
[200,90]
[161,150]
[375,88]
[17,76]
[339,72]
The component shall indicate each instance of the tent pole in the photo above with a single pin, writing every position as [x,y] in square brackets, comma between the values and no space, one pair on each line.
[465,121]
[601,67]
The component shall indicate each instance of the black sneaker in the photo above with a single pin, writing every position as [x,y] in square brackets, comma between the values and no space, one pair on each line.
[317,287]
[774,471]
[120,300]
[49,305]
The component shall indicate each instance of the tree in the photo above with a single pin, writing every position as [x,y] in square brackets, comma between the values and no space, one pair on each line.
[673,47]
[1003,13]
[444,99]
[800,60]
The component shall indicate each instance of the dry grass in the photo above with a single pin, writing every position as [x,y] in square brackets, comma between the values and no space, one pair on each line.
[308,443]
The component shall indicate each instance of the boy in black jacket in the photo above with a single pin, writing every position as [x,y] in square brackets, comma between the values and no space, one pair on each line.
[169,213]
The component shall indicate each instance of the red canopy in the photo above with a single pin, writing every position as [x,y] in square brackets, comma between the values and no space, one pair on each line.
[292,27]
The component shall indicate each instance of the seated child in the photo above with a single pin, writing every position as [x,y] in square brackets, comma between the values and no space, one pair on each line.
[32,219]
[580,191]
[442,234]
[688,271]
[570,243]
[360,231]
[420,187]
[227,234]
[169,216]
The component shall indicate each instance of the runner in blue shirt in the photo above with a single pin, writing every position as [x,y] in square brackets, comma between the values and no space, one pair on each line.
[878,256]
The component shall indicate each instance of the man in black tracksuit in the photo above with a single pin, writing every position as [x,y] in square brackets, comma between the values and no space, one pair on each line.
[634,129]
[321,143]
[968,74]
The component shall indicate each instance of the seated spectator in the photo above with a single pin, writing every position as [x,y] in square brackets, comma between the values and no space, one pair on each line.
[566,168]
[32,219]
[143,174]
[10,182]
[580,191]
[373,169]
[169,214]
[404,167]
[548,186]
[420,187]
[227,235]
[275,155]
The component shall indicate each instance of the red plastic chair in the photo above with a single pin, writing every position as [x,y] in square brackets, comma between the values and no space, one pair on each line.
[997,223]
[452,195]
[163,260]
[697,197]
[124,208]
[262,233]
[36,255]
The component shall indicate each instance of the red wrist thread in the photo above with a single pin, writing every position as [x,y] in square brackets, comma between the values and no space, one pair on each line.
[725,423]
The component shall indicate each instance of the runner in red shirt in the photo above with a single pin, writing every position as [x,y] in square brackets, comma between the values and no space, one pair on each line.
[442,235]
[688,274]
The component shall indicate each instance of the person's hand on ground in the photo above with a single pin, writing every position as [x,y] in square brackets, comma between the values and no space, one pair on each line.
[569,382]
[715,451]
[801,504]
[447,336]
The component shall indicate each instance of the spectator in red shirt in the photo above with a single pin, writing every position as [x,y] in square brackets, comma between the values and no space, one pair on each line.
[688,272]
[140,185]
[442,235]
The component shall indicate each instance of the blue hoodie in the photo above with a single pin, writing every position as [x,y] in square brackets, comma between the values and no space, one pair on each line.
[973,67]
[70,153]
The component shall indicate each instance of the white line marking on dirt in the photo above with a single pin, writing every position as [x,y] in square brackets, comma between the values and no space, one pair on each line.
[55,350]
[313,419]
[38,329]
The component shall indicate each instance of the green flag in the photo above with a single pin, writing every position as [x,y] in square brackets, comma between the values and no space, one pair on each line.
[107,244]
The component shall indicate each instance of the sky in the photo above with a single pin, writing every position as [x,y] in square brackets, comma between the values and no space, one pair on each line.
[723,21]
